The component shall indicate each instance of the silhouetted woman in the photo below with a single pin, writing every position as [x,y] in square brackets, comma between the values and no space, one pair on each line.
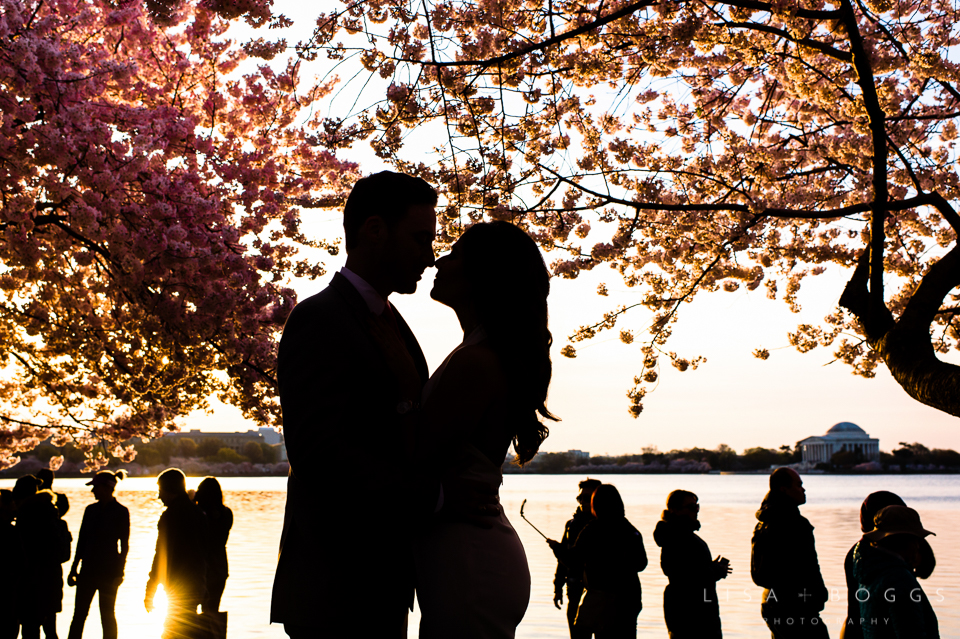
[39,529]
[209,497]
[691,608]
[473,581]
[101,555]
[610,553]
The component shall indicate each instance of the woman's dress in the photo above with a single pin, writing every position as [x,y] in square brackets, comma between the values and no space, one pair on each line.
[472,582]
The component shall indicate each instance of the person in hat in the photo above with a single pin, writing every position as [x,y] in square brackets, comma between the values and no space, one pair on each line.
[43,540]
[892,603]
[101,555]
[868,510]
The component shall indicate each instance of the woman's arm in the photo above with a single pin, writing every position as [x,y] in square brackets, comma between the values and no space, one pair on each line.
[124,540]
[81,549]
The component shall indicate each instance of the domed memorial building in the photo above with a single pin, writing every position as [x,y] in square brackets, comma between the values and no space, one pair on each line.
[840,437]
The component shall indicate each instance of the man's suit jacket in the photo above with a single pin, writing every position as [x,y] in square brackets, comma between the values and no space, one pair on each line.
[345,549]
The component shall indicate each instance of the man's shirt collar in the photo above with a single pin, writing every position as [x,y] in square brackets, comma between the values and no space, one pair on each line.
[369,294]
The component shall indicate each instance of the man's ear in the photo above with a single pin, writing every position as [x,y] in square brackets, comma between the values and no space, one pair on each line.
[373,230]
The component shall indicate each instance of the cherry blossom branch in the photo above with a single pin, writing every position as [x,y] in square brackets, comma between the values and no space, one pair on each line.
[813,14]
[810,43]
[540,46]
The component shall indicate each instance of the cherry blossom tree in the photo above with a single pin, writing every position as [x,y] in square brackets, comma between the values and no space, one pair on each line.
[151,185]
[691,146]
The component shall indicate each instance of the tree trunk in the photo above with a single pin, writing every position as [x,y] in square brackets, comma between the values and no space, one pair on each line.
[905,343]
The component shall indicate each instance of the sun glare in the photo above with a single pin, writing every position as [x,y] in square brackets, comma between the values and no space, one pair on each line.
[159,613]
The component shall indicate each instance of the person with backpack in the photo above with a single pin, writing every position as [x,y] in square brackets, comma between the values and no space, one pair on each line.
[45,541]
[101,555]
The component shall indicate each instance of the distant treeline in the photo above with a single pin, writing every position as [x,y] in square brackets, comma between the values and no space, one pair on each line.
[160,451]
[913,457]
[210,456]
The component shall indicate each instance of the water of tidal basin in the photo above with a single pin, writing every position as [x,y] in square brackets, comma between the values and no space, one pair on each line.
[728,503]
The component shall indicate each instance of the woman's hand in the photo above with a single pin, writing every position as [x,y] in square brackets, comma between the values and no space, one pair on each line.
[722,566]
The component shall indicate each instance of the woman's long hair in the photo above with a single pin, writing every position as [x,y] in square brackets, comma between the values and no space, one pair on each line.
[209,496]
[606,503]
[509,284]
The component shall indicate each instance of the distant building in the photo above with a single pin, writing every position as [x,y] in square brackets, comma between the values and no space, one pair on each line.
[579,455]
[236,441]
[840,437]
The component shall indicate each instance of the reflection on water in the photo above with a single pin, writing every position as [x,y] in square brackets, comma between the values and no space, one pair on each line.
[727,506]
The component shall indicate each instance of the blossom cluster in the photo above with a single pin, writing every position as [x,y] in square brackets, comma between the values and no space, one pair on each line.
[149,220]
[691,147]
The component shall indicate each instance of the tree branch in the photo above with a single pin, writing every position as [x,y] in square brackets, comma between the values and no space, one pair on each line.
[539,46]
[822,47]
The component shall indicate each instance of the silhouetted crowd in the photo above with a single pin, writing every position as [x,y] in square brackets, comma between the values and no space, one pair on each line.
[190,559]
[600,556]
[601,553]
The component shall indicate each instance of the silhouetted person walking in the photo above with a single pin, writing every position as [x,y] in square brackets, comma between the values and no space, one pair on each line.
[10,591]
[46,477]
[691,608]
[573,581]
[209,497]
[101,555]
[892,603]
[609,553]
[180,562]
[784,562]
[45,543]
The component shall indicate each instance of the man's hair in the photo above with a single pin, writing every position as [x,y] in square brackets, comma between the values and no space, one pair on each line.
[45,475]
[676,498]
[781,478]
[589,484]
[386,194]
[173,480]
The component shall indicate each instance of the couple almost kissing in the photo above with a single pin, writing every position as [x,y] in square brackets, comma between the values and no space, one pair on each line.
[394,473]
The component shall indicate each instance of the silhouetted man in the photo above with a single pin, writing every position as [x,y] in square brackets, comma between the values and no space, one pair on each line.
[574,582]
[345,569]
[180,559]
[784,562]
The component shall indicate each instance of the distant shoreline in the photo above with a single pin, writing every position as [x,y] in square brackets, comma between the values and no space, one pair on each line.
[13,473]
